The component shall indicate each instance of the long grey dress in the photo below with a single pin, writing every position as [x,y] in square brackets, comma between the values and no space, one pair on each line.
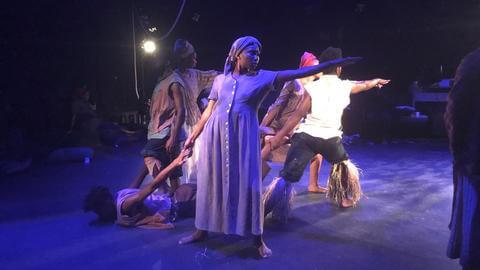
[229,178]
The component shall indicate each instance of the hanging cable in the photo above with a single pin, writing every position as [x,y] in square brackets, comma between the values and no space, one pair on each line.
[134,53]
[161,38]
[175,22]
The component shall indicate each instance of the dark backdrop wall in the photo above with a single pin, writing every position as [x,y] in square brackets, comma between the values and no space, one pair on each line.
[48,47]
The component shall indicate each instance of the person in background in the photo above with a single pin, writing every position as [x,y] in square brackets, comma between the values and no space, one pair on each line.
[462,120]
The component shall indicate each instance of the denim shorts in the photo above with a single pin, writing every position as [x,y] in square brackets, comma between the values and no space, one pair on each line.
[304,147]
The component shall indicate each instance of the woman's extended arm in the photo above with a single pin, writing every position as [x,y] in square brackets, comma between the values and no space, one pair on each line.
[288,75]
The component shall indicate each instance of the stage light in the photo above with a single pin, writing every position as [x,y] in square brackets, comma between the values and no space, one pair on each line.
[149,46]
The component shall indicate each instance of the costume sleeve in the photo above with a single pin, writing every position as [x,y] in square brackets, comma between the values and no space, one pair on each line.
[176,78]
[269,79]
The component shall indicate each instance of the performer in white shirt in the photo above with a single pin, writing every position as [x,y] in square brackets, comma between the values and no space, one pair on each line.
[319,133]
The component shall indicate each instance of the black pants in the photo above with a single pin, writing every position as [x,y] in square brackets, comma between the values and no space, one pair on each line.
[304,147]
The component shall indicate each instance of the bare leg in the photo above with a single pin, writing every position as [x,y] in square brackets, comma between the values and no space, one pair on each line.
[265,167]
[315,165]
[198,235]
[262,248]
[265,152]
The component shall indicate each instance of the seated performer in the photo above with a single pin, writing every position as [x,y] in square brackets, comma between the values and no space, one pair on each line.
[278,113]
[141,207]
[320,133]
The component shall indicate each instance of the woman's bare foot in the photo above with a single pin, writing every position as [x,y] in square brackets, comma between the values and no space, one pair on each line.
[264,251]
[346,203]
[197,236]
[262,248]
[316,189]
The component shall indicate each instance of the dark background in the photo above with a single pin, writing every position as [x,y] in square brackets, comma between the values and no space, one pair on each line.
[49,47]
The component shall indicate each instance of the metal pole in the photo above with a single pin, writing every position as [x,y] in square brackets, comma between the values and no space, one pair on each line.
[134,50]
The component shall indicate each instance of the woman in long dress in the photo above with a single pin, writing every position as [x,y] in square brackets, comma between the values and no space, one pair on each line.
[229,175]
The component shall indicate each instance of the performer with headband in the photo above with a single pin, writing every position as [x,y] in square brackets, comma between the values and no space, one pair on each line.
[319,134]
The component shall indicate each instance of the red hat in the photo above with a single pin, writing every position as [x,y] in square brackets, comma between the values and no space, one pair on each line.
[307,59]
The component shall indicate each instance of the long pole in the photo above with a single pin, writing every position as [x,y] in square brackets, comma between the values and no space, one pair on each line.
[134,51]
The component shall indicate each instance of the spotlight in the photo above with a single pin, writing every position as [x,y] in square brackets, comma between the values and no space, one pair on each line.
[149,46]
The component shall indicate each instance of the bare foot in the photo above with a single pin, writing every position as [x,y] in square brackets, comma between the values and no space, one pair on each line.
[264,251]
[316,189]
[197,236]
[346,203]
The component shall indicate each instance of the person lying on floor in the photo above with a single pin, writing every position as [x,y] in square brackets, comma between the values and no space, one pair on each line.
[143,207]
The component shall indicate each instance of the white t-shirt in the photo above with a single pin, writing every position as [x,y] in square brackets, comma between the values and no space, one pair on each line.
[330,95]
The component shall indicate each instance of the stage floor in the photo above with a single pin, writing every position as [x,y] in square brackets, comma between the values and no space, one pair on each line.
[400,224]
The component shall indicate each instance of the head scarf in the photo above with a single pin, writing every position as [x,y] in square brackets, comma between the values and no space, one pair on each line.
[237,47]
[307,59]
[182,49]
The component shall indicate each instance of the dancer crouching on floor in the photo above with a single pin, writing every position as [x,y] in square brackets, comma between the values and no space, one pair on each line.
[319,134]
[229,175]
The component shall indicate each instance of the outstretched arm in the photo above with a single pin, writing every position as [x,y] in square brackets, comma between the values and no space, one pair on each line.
[291,123]
[367,85]
[288,75]
[150,187]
